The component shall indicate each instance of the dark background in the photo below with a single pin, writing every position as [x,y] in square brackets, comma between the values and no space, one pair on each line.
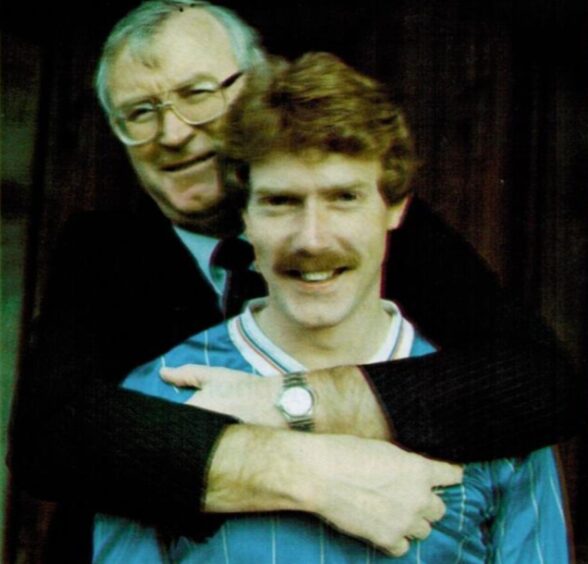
[496,93]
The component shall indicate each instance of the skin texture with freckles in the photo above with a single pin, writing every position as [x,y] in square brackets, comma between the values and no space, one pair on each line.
[178,169]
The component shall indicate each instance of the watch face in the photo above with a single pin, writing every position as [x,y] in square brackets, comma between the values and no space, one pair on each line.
[297,401]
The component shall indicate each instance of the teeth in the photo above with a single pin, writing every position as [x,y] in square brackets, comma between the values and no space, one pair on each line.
[317,276]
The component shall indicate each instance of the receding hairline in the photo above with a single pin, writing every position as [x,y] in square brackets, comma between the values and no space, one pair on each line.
[143,48]
[140,27]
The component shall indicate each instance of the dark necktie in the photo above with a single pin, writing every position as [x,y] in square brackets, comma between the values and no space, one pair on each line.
[242,284]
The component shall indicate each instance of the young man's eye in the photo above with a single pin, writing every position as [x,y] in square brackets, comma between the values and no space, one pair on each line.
[278,201]
[346,196]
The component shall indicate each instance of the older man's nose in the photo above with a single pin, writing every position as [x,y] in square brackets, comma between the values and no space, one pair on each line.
[174,131]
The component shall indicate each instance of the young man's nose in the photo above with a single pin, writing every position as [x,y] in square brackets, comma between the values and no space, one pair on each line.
[312,231]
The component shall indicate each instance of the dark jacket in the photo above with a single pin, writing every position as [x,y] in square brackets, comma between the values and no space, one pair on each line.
[123,289]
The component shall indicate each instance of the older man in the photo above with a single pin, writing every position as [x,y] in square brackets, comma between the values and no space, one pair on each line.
[127,287]
[326,158]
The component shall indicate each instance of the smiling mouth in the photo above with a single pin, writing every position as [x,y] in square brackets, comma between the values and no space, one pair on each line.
[316,277]
[182,165]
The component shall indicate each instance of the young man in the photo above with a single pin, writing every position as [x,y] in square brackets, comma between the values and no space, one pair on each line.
[326,159]
[126,287]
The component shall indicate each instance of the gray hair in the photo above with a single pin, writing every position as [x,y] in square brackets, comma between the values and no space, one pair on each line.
[140,25]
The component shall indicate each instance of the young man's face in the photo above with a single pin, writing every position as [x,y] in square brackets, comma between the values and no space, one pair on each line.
[178,168]
[318,224]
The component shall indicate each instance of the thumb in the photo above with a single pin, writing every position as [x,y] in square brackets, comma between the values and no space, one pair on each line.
[184,376]
[445,474]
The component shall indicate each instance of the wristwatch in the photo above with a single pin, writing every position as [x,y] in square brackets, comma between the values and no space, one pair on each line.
[296,402]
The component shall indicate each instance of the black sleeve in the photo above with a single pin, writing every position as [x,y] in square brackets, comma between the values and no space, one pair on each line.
[499,385]
[75,434]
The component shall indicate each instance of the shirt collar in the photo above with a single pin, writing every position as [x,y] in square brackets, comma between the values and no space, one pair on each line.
[201,248]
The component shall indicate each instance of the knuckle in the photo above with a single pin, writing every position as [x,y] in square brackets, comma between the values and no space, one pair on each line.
[436,509]
[399,548]
[440,508]
[421,531]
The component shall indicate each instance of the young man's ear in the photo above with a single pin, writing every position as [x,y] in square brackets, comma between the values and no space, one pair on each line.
[396,213]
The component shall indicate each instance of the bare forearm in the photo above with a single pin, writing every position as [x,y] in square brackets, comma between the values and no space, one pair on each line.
[252,470]
[346,404]
[344,401]
[365,488]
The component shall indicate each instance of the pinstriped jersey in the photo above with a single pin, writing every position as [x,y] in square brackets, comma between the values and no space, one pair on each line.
[505,511]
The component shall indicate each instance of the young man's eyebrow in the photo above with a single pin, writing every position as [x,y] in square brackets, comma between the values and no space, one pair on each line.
[357,185]
[269,190]
[273,190]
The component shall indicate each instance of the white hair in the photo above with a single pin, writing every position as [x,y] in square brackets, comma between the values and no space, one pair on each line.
[140,25]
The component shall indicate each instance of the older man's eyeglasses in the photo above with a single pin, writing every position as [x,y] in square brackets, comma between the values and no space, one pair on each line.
[196,103]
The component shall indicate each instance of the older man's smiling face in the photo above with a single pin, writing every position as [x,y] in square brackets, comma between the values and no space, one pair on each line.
[319,225]
[179,167]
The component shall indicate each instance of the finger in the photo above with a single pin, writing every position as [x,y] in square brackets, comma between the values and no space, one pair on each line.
[420,531]
[184,376]
[435,510]
[399,548]
[444,474]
